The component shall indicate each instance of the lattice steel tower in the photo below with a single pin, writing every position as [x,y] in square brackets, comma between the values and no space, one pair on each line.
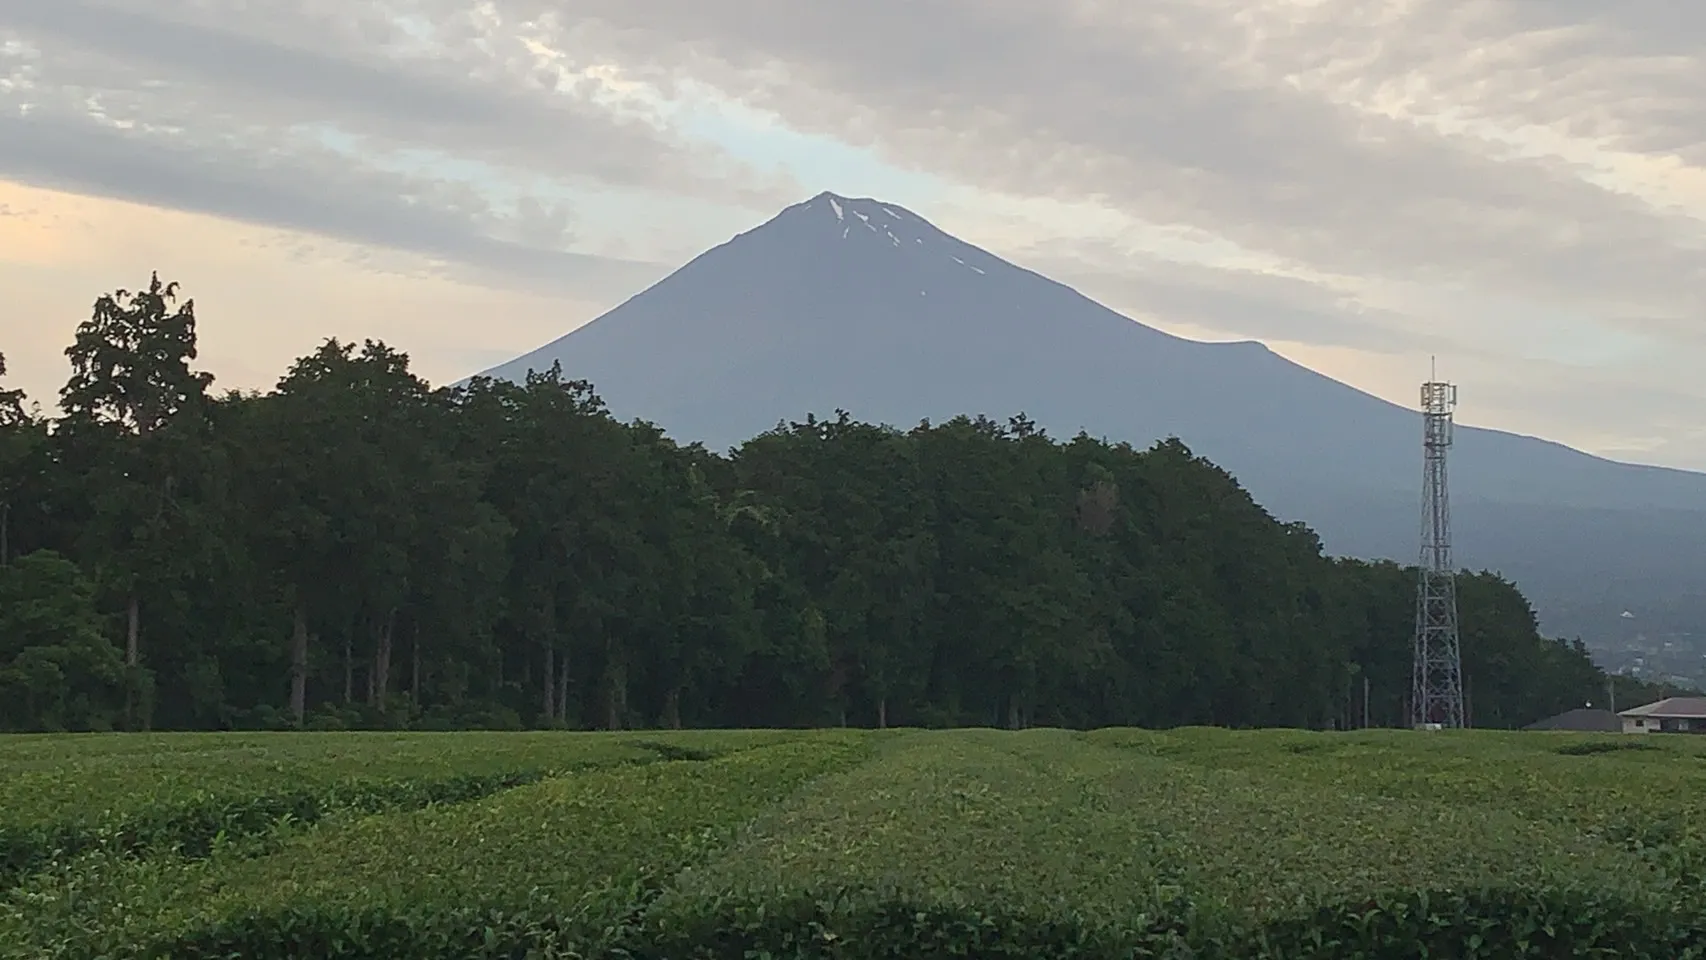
[1436,693]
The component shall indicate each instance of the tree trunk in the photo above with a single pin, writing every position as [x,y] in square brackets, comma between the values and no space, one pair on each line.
[563,689]
[672,708]
[882,713]
[299,664]
[349,670]
[415,665]
[379,686]
[5,534]
[132,631]
[550,684]
[615,692]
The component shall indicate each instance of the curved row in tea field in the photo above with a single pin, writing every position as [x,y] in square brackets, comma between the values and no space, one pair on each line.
[845,844]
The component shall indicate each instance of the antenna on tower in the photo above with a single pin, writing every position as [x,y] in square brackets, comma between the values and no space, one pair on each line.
[1436,695]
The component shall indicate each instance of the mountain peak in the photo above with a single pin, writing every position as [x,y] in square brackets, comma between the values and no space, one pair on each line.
[868,222]
[863,208]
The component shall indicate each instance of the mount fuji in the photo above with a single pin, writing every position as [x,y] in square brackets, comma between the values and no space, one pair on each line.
[864,306]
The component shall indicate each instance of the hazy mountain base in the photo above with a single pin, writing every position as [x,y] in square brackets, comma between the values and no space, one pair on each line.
[1627,580]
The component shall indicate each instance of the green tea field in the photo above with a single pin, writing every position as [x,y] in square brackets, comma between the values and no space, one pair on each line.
[853,844]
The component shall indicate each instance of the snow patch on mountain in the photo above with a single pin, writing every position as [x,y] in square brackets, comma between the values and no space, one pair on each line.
[896,225]
[965,264]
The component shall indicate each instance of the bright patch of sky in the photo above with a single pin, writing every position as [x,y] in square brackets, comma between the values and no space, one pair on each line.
[1513,327]
[821,163]
[1541,331]
[1664,183]
[1005,222]
[417,36]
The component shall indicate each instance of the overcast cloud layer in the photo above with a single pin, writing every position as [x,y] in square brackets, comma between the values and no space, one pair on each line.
[1516,185]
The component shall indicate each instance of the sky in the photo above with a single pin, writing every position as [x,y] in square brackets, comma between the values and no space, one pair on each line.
[1516,187]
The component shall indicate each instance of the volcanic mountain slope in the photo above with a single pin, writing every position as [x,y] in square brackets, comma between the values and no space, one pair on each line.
[860,305]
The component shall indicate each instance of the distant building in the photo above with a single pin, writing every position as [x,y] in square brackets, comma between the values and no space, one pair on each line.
[1671,715]
[1581,720]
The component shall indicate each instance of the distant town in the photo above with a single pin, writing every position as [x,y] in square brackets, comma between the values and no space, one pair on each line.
[1661,658]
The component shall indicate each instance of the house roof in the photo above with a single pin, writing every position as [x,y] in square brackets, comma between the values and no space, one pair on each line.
[1691,708]
[1581,719]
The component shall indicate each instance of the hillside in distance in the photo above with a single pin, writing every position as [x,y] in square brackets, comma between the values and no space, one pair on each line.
[864,306]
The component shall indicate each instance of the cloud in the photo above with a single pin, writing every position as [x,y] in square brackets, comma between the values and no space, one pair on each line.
[1404,141]
[1243,303]
[1380,139]
[321,121]
[494,105]
[294,188]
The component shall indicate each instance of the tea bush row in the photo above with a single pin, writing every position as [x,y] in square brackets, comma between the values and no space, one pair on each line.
[588,844]
[1645,795]
[103,778]
[1048,822]
[187,801]
[253,825]
[1494,924]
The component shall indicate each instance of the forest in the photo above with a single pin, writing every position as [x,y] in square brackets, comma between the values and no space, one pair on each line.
[356,549]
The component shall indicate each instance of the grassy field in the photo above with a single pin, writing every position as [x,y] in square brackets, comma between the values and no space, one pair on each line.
[1114,843]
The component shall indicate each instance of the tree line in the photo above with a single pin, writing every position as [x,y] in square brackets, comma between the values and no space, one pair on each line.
[357,549]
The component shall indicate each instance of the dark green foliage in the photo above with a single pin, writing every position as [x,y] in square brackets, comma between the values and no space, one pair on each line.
[852,926]
[1480,925]
[134,442]
[677,751]
[20,448]
[130,362]
[57,671]
[11,403]
[355,550]
[1483,925]
[470,933]
[1588,748]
